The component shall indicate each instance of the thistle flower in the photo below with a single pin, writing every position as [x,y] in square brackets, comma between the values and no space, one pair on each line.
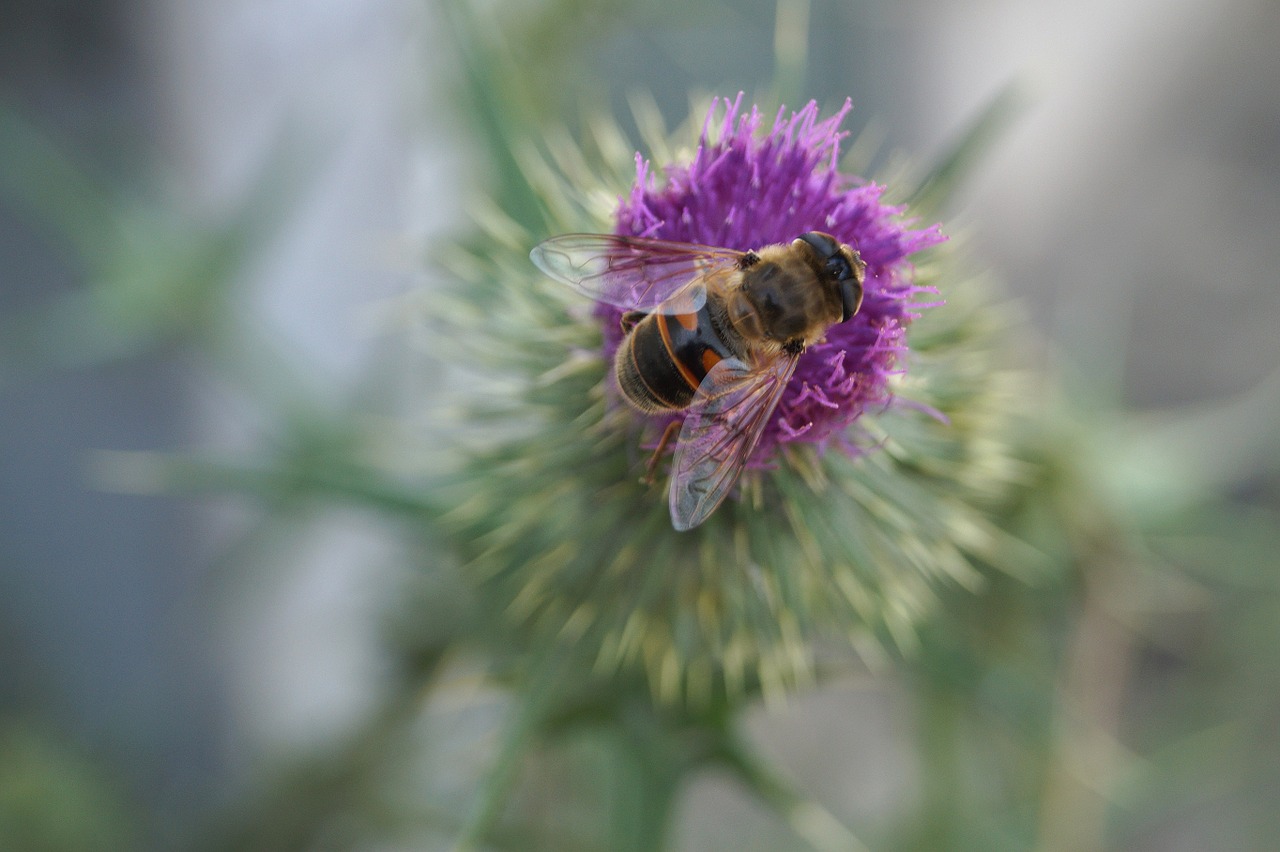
[743,190]
[568,548]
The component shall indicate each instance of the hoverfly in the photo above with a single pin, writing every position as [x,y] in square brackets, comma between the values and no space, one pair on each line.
[711,332]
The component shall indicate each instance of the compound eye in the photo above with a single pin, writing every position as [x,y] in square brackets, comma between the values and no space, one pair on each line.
[838,268]
[850,297]
[823,244]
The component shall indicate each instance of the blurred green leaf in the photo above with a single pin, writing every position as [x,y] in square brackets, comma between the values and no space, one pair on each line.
[151,275]
[932,193]
[53,799]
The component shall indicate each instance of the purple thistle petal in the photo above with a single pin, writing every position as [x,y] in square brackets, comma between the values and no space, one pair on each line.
[745,189]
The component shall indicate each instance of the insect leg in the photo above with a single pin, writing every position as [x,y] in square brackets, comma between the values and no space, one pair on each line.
[667,434]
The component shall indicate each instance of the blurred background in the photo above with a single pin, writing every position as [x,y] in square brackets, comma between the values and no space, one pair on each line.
[204,206]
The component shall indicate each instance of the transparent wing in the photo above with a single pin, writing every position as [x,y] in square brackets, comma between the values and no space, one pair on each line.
[720,431]
[632,273]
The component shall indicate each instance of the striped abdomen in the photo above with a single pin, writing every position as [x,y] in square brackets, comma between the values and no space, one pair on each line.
[665,357]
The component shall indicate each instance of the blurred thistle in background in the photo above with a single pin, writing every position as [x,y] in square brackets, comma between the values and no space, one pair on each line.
[436,610]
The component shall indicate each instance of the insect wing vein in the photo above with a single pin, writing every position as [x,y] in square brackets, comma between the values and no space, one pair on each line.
[720,431]
[632,273]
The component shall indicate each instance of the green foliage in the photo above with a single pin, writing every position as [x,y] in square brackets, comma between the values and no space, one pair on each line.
[53,799]
[1078,614]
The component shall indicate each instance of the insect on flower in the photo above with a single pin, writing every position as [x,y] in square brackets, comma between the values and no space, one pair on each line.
[712,332]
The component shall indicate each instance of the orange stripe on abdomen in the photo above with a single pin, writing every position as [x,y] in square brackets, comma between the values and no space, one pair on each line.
[685,372]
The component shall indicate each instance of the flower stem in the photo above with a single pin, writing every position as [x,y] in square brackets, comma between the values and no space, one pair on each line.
[1086,760]
[644,798]
[153,473]
[941,776]
[790,49]
[300,804]
[531,713]
[807,818]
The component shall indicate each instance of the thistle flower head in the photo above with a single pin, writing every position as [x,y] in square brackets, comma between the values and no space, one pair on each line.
[745,188]
[567,547]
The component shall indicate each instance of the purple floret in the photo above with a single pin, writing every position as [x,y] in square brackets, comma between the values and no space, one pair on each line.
[744,191]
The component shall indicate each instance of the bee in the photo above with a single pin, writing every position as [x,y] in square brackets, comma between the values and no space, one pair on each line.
[712,332]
